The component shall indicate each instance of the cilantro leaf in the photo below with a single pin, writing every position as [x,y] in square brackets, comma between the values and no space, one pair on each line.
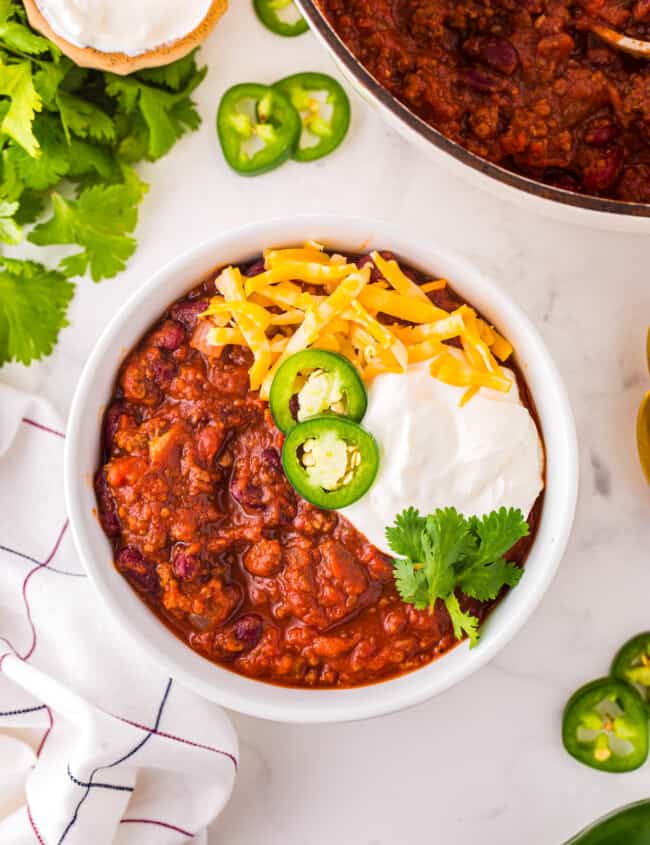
[30,207]
[84,118]
[445,552]
[54,163]
[497,532]
[411,583]
[405,537]
[91,163]
[60,123]
[16,82]
[485,581]
[464,623]
[100,221]
[33,306]
[10,232]
[18,36]
[164,116]
[172,76]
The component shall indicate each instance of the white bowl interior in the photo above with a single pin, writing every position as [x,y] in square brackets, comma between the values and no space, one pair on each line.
[282,703]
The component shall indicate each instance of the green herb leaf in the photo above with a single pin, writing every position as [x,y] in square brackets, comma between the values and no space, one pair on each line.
[163,115]
[65,125]
[33,306]
[411,583]
[405,537]
[10,232]
[54,162]
[446,552]
[16,82]
[100,221]
[485,581]
[85,119]
[464,623]
[497,533]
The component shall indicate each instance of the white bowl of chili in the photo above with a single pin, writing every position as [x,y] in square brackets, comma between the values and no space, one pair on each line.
[349,236]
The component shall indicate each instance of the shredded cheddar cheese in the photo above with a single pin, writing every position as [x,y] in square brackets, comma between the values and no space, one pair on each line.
[306,297]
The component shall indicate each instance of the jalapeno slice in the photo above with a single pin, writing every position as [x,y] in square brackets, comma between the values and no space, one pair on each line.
[325,111]
[315,382]
[281,17]
[330,461]
[258,128]
[632,664]
[605,726]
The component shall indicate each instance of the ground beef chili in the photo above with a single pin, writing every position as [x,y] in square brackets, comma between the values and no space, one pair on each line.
[523,83]
[210,534]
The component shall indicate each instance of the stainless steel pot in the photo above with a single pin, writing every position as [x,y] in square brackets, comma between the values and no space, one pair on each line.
[555,202]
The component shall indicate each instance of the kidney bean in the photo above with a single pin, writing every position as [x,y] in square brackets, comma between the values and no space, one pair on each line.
[255,268]
[600,171]
[169,336]
[237,356]
[271,457]
[248,630]
[112,421]
[186,566]
[107,512]
[482,80]
[600,132]
[500,54]
[163,371]
[188,312]
[130,561]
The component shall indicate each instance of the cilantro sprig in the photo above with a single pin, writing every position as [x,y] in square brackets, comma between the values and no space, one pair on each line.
[69,138]
[445,553]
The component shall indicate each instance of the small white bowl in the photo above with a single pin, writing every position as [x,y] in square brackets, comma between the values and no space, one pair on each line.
[285,704]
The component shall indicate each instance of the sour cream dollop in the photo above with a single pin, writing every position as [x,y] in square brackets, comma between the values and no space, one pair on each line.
[123,26]
[436,454]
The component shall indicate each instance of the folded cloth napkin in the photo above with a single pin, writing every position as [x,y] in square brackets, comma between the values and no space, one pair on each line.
[97,745]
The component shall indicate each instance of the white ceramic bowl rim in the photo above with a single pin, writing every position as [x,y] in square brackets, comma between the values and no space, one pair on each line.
[282,703]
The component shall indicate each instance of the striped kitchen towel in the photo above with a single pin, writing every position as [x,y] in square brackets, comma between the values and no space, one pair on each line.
[97,745]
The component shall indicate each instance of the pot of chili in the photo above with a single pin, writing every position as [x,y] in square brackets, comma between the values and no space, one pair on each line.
[498,97]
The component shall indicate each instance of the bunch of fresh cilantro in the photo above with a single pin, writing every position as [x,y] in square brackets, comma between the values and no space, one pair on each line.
[445,552]
[68,140]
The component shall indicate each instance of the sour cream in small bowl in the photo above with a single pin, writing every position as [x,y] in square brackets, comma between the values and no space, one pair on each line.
[417,424]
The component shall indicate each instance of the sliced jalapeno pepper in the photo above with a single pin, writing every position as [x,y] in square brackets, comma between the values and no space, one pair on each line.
[331,461]
[632,664]
[281,17]
[628,826]
[258,128]
[606,726]
[325,111]
[321,381]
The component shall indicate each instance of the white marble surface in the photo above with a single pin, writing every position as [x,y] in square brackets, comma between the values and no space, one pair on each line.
[483,761]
